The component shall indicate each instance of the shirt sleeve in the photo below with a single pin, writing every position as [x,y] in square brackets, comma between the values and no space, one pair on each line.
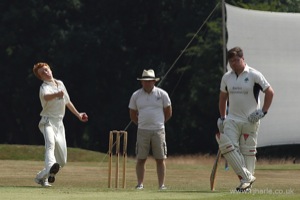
[223,86]
[167,100]
[261,80]
[132,102]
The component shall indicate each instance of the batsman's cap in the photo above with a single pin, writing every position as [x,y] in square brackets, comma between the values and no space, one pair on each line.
[148,75]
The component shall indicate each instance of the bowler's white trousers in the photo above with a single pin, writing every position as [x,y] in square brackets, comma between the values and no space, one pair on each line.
[55,144]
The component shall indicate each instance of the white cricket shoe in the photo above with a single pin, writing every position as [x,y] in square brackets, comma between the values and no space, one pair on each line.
[163,187]
[42,182]
[245,186]
[139,187]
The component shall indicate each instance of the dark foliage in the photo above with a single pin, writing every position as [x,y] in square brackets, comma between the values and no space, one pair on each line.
[98,48]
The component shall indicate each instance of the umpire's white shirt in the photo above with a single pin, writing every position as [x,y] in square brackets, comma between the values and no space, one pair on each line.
[150,108]
[56,107]
[243,91]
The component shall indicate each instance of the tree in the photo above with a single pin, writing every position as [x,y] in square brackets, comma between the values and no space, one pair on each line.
[99,48]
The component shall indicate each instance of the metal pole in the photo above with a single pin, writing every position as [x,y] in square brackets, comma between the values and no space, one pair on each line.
[224,37]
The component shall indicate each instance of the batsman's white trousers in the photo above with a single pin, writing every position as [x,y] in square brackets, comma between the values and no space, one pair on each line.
[55,144]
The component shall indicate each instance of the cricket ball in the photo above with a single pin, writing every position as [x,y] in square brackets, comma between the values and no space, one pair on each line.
[84,117]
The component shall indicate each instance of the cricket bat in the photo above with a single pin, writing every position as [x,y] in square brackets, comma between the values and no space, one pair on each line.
[214,171]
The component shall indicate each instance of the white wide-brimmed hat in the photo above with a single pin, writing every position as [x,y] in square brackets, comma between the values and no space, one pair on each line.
[148,75]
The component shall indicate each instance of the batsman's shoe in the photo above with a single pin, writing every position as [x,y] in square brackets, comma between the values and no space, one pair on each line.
[42,182]
[139,187]
[53,171]
[245,186]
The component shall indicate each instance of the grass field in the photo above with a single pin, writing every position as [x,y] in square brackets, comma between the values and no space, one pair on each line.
[85,177]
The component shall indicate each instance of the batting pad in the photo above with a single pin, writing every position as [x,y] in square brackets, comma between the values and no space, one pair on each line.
[225,144]
[250,162]
[248,150]
[234,158]
[235,161]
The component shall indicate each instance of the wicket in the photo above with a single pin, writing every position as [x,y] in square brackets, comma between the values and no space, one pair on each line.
[116,136]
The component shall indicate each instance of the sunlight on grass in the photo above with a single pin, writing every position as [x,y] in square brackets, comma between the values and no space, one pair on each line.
[85,177]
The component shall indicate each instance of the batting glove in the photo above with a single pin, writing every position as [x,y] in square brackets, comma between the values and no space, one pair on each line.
[220,124]
[256,116]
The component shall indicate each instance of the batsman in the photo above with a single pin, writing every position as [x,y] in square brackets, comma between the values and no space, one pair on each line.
[239,97]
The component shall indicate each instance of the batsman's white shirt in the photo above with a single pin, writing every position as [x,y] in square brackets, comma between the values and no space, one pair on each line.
[243,91]
[150,108]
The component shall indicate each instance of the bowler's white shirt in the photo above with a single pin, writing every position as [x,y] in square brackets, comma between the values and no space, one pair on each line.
[243,91]
[150,108]
[56,107]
